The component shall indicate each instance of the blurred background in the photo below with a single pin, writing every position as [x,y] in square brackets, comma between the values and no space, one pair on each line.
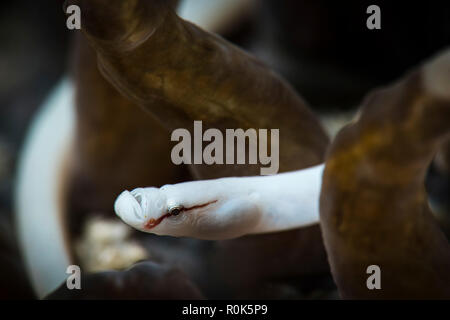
[322,48]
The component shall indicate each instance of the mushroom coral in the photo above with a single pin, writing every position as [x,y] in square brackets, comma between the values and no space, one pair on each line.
[373,205]
[180,73]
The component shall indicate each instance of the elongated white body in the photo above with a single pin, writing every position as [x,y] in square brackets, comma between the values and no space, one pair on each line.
[39,192]
[227,207]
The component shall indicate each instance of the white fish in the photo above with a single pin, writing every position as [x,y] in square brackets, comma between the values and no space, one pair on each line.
[227,207]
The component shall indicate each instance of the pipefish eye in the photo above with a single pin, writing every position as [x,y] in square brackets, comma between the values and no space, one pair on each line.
[176,210]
